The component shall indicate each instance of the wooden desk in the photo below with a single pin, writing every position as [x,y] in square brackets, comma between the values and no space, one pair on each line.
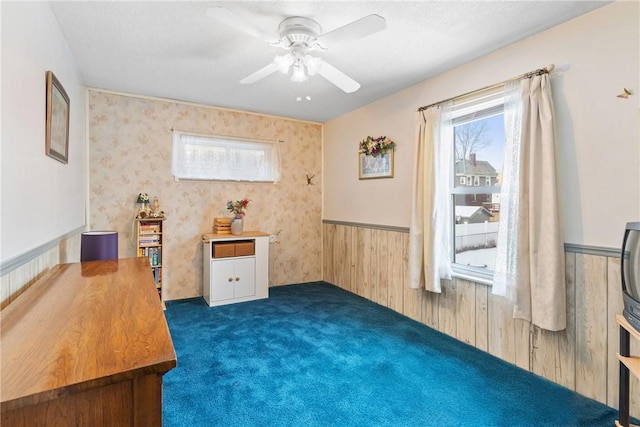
[86,345]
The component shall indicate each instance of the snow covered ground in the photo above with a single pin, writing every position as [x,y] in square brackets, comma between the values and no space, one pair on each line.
[483,258]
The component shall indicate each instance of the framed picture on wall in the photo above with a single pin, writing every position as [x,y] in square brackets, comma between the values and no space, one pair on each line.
[57,120]
[380,166]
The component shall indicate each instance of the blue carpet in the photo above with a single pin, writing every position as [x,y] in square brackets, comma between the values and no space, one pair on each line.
[316,355]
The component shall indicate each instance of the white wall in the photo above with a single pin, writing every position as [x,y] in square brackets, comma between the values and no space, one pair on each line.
[41,198]
[597,132]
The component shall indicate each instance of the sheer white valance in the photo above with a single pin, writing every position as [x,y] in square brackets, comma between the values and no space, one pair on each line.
[222,158]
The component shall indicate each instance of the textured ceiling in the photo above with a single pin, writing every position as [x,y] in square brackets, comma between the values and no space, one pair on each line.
[174,50]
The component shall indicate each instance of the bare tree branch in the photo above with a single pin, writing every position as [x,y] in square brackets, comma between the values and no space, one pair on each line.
[470,138]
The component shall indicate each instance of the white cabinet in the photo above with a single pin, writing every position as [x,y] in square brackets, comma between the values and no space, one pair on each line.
[235,268]
[233,279]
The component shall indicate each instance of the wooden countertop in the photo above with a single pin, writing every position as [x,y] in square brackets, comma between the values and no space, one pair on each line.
[209,236]
[81,326]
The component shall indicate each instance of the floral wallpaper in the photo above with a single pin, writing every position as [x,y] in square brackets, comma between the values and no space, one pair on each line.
[130,152]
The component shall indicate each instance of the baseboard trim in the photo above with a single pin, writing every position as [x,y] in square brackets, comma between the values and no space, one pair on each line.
[363,225]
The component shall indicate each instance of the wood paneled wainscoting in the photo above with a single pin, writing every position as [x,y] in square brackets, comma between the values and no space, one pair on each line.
[19,274]
[371,261]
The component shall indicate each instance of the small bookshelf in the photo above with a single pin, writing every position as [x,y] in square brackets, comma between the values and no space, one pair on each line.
[149,244]
[629,365]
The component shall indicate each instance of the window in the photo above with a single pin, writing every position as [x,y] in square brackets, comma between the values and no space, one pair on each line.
[514,124]
[478,133]
[223,158]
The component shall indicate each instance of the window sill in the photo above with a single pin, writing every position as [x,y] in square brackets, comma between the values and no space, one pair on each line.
[472,275]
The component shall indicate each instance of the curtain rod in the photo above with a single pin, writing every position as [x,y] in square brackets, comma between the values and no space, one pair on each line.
[213,135]
[528,75]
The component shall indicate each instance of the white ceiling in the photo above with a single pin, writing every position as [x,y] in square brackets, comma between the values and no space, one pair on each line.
[172,49]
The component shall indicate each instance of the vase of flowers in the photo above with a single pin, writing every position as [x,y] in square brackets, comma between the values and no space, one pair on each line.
[237,208]
[371,146]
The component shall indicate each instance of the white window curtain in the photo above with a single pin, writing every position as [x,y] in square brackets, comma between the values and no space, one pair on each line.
[530,248]
[209,157]
[431,220]
[530,253]
[504,279]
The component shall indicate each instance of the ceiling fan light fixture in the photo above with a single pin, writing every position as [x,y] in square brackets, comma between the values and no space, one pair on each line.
[283,62]
[313,64]
[297,30]
[298,74]
[300,35]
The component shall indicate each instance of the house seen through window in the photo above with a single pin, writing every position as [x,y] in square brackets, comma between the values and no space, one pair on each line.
[479,140]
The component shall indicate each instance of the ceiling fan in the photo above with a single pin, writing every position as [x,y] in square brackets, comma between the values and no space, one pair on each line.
[300,35]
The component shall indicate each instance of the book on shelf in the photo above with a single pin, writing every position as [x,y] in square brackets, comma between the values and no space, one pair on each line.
[148,240]
[154,257]
[153,253]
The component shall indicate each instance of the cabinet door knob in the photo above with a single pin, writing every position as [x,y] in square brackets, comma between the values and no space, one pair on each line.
[237,278]
[231,279]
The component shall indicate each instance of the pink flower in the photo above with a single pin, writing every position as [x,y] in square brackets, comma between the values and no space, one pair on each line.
[237,208]
[374,146]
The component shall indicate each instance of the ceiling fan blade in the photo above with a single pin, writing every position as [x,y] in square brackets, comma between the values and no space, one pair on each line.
[357,29]
[260,74]
[337,77]
[236,21]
